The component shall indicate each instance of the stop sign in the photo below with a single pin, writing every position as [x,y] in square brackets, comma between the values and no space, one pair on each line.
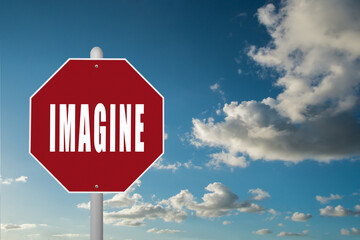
[96,125]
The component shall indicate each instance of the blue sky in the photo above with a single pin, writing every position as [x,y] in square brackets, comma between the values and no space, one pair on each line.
[261,117]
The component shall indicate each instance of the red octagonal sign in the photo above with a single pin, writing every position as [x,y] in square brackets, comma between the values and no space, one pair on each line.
[96,125]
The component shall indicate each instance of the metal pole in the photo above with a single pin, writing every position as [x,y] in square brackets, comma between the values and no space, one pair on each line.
[96,199]
[96,216]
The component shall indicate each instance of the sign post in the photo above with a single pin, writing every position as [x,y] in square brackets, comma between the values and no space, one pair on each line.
[96,199]
[96,125]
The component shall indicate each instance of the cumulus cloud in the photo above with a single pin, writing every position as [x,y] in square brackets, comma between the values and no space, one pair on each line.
[259,194]
[133,211]
[316,114]
[324,200]
[300,217]
[10,226]
[339,211]
[124,199]
[291,234]
[161,231]
[354,231]
[136,214]
[262,231]
[221,201]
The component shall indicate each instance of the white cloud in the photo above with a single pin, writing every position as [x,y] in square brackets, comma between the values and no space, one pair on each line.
[354,231]
[315,115]
[8,181]
[229,159]
[291,234]
[339,211]
[215,86]
[300,217]
[189,165]
[227,222]
[160,231]
[273,213]
[159,165]
[250,207]
[10,226]
[262,231]
[180,200]
[259,194]
[136,214]
[123,199]
[325,200]
[220,201]
[281,225]
[83,205]
[239,71]
[267,15]
[71,235]
[21,179]
[166,136]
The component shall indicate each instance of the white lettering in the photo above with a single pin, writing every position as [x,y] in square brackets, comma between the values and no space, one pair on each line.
[100,144]
[125,127]
[67,128]
[112,127]
[139,127]
[84,129]
[52,127]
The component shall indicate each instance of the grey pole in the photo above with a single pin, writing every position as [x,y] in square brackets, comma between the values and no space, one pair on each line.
[96,199]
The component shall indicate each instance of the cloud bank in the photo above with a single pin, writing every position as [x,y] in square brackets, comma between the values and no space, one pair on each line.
[339,211]
[129,209]
[316,114]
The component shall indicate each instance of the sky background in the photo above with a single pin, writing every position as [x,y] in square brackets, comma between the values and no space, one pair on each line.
[261,117]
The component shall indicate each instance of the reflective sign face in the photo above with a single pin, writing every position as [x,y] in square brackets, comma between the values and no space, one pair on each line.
[96,125]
